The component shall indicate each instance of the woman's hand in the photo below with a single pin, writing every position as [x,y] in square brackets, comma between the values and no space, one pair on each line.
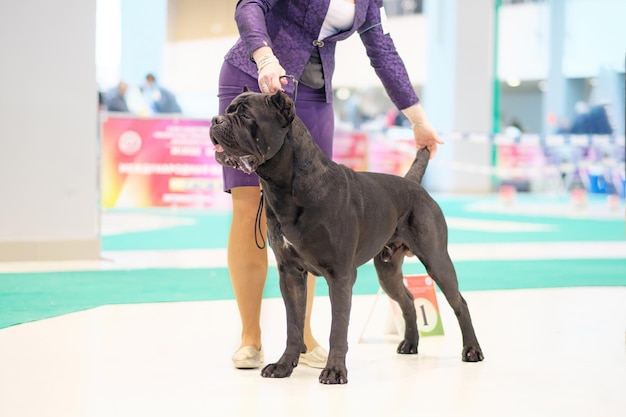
[426,137]
[269,70]
[424,133]
[269,78]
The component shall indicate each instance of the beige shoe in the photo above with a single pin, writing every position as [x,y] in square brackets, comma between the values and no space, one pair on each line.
[248,357]
[316,358]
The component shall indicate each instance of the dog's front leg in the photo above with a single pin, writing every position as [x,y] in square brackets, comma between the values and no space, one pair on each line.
[340,292]
[293,289]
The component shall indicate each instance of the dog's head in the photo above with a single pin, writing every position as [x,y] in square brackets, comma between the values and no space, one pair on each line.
[252,130]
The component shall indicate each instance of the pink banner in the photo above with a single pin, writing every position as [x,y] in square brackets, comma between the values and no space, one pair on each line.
[390,155]
[150,162]
[350,149]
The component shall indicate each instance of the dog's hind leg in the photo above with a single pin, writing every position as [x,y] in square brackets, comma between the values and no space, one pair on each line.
[426,235]
[389,270]
[440,268]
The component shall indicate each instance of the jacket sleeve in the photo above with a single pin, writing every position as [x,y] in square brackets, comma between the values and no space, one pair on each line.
[385,60]
[250,19]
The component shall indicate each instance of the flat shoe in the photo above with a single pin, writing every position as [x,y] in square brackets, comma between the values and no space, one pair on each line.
[248,357]
[316,358]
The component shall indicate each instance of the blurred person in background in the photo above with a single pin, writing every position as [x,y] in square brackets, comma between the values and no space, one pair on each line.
[593,120]
[159,99]
[115,99]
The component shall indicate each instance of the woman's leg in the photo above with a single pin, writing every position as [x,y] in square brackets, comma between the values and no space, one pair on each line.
[247,264]
[310,341]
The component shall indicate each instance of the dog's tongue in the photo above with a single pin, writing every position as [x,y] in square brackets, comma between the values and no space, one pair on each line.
[218,148]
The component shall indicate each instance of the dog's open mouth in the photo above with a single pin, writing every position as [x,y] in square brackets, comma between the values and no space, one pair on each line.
[245,163]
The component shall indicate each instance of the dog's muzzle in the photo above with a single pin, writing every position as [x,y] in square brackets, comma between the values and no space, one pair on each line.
[245,163]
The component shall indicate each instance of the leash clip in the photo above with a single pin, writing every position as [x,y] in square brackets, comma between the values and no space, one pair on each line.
[295,86]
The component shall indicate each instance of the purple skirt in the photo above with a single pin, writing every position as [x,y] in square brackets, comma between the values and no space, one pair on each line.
[311,106]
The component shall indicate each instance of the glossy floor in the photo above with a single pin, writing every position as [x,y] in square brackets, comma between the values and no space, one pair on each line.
[557,351]
[548,352]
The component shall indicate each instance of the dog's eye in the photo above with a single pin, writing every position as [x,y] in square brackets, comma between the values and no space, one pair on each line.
[242,112]
[235,107]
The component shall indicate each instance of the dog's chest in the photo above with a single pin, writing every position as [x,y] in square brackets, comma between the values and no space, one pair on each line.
[286,243]
[288,237]
[293,237]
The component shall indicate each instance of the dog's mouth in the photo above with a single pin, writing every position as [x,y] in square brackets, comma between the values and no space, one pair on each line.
[245,163]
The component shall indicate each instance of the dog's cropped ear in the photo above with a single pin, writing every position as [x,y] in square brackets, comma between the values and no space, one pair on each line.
[284,105]
[245,89]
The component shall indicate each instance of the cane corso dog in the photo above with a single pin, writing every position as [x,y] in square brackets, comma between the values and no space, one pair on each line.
[327,219]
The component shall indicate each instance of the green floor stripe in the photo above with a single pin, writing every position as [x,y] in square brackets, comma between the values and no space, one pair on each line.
[26,297]
[32,296]
[209,231]
[210,227]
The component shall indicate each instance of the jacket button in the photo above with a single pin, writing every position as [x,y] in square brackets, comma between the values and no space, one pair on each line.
[318,43]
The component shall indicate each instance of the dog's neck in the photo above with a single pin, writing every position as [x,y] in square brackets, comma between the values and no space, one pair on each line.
[299,157]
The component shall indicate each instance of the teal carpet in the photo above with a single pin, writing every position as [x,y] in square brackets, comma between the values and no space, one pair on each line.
[27,297]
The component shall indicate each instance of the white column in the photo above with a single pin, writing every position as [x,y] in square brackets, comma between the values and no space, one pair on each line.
[458,90]
[49,205]
[554,99]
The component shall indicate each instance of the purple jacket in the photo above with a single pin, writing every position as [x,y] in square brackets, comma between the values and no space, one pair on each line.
[291,29]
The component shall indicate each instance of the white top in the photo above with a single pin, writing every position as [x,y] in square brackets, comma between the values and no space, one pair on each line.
[340,16]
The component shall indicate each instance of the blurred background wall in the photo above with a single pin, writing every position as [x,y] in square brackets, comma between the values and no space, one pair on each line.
[480,67]
[186,47]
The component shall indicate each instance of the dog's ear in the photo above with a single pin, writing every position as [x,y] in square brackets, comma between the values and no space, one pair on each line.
[284,105]
[245,89]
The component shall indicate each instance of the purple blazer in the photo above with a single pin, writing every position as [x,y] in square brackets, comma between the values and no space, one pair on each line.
[291,29]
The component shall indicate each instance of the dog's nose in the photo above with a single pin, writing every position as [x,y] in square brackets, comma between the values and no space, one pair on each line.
[217,120]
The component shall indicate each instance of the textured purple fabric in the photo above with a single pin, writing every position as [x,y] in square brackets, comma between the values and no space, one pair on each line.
[311,107]
[289,27]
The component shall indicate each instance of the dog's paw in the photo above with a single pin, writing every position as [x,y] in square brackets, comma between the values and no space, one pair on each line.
[407,348]
[334,376]
[472,354]
[277,370]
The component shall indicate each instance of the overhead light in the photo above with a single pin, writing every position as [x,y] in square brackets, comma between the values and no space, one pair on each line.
[513,81]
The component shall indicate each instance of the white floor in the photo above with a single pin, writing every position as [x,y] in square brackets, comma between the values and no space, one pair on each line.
[556,352]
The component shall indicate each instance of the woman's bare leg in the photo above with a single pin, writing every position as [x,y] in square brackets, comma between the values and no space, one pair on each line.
[247,264]
[309,340]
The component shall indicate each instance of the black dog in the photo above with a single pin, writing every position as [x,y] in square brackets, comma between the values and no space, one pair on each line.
[327,219]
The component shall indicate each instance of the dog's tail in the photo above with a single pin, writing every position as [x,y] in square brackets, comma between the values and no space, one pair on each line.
[417,169]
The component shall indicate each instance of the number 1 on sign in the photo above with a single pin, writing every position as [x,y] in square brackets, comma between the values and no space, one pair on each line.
[424,315]
[430,315]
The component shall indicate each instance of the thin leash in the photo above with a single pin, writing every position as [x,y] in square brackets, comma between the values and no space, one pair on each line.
[258,231]
[257,225]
